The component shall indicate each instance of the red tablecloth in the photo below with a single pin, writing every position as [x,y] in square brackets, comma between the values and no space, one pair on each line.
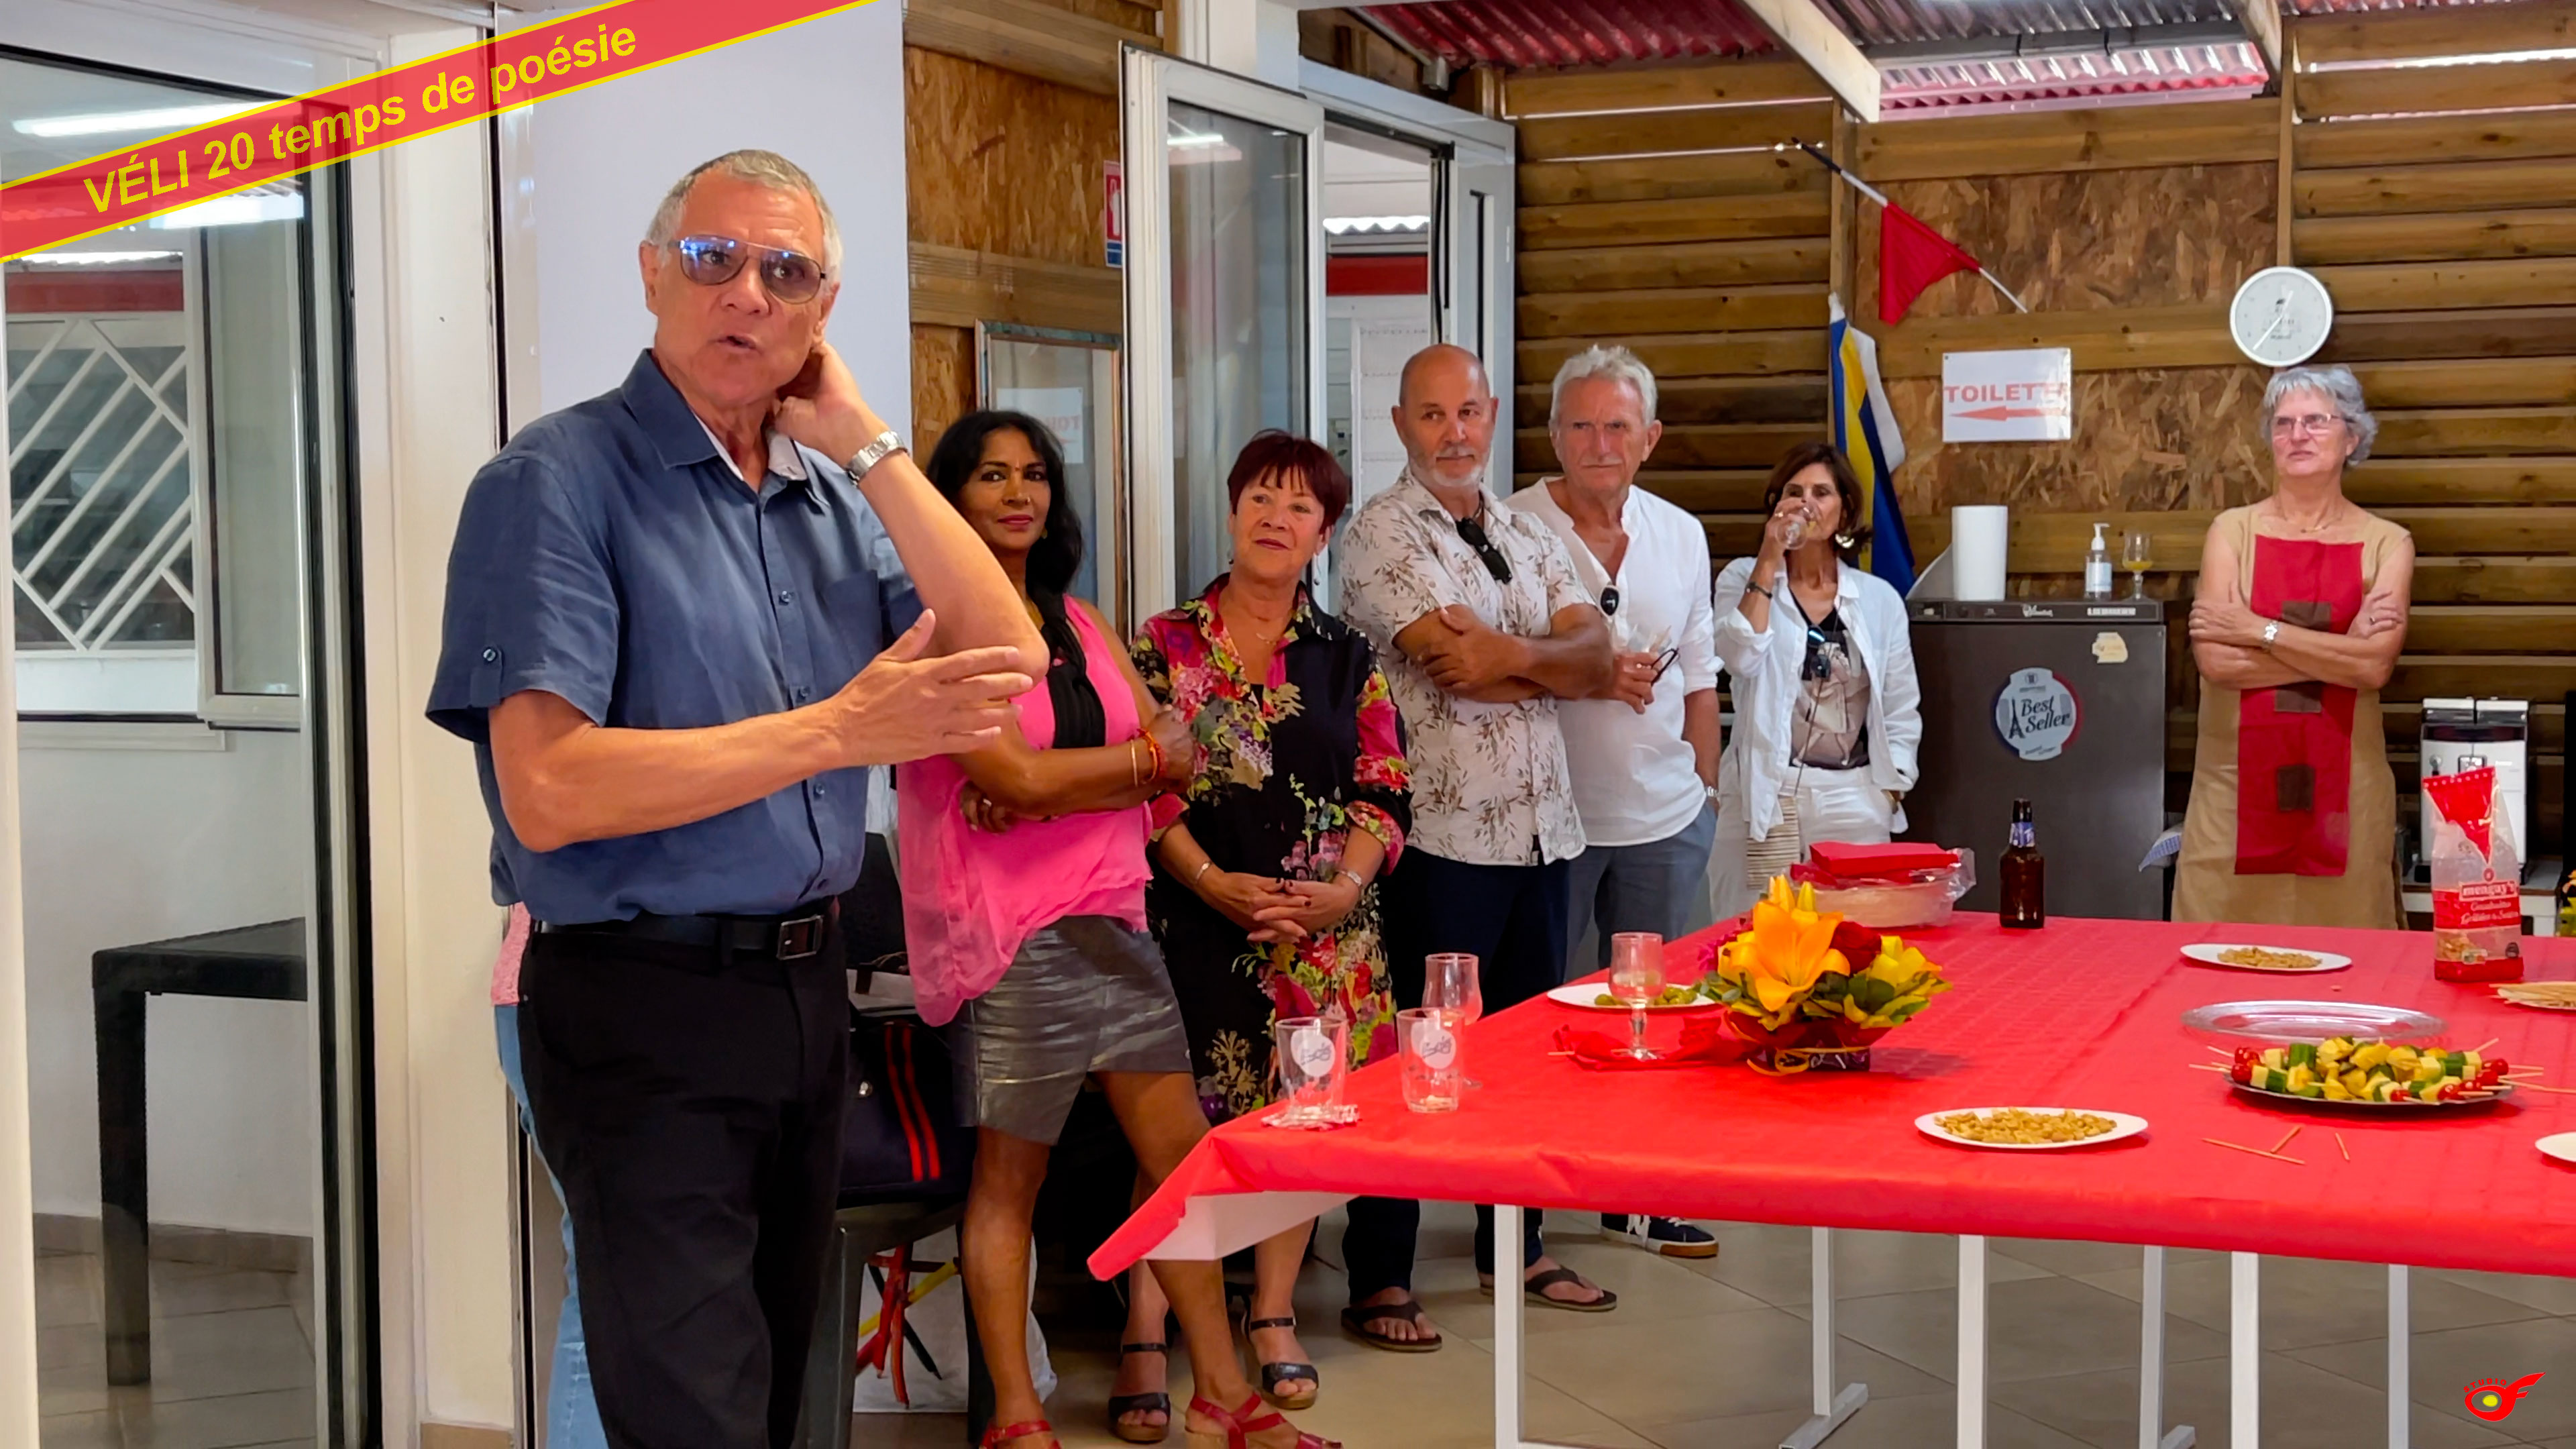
[2082,1014]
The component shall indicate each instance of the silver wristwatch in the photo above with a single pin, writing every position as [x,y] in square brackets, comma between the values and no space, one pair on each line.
[2271,633]
[874,453]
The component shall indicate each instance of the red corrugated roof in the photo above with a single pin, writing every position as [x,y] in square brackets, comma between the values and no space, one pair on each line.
[1521,33]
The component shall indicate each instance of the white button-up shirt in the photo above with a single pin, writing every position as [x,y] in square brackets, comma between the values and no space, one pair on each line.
[1766,671]
[1636,780]
[1489,780]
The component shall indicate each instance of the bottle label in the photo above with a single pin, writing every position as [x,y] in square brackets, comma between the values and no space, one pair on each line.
[2025,836]
[2097,578]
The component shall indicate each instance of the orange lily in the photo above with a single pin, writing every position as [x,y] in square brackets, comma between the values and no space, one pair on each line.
[1789,948]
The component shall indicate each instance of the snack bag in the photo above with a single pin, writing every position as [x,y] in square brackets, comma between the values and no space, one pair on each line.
[2477,880]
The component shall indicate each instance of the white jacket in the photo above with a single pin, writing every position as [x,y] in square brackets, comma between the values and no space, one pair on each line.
[1763,673]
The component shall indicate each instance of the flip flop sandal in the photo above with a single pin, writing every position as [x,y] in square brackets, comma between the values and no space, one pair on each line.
[1356,1322]
[1535,1289]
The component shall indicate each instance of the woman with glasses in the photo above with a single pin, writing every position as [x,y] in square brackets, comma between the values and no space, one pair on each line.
[1265,890]
[2299,620]
[1827,711]
[1024,875]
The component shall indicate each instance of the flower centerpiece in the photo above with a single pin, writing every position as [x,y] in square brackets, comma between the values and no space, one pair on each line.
[1811,990]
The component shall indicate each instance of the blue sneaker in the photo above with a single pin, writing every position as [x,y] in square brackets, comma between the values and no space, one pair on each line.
[1671,1237]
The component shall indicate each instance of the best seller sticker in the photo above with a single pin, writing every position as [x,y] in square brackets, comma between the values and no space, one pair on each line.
[2036,714]
[423,98]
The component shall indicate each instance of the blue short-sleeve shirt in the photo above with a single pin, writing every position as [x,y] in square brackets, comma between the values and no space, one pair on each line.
[611,555]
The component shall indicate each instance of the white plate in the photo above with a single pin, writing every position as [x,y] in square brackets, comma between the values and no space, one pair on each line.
[2559,1145]
[1587,996]
[2209,954]
[2311,1021]
[2122,1125]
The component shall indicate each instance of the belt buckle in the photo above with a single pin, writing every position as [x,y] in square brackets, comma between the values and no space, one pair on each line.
[800,938]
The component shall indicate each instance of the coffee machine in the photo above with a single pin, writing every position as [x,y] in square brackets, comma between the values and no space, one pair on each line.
[2495,731]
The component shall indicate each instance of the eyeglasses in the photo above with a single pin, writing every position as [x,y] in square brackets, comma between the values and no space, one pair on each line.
[1610,602]
[712,261]
[1473,532]
[1664,661]
[2317,423]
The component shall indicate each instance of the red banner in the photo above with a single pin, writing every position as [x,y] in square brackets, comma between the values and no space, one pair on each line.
[423,98]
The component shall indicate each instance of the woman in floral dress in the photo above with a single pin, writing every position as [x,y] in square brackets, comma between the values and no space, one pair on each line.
[1265,890]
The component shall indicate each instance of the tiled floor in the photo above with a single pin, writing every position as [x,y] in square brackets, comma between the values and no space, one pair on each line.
[232,1361]
[1713,1355]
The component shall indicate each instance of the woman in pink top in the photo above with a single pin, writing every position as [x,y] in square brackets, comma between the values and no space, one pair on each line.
[1024,913]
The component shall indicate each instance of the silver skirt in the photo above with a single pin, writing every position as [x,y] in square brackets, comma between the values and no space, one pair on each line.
[1083,995]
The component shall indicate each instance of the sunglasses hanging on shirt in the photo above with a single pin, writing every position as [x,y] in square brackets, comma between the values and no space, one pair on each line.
[1610,602]
[1473,531]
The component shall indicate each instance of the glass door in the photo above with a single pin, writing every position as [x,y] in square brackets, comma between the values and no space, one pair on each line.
[186,764]
[1225,302]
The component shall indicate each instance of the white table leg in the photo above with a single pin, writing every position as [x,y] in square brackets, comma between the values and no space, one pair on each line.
[1508,1328]
[1972,1343]
[2151,1364]
[1831,1408]
[2401,1402]
[2244,1351]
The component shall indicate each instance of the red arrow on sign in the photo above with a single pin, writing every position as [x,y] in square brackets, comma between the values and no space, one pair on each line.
[1997,415]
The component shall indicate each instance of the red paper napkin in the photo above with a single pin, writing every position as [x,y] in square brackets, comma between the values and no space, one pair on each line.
[1879,862]
[1704,1044]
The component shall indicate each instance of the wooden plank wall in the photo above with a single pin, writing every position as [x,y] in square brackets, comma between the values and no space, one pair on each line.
[1655,213]
[1011,107]
[2448,239]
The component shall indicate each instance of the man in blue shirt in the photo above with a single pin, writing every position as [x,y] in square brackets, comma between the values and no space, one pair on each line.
[670,637]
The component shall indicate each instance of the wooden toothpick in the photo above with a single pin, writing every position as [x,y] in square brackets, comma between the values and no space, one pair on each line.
[2257,1151]
[2339,1147]
[2285,1139]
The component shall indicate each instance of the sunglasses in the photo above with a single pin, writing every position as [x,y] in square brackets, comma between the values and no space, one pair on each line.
[1474,533]
[1664,661]
[712,261]
[1610,602]
[1822,655]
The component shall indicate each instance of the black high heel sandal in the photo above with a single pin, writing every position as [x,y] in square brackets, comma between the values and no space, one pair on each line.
[1279,1380]
[1160,1401]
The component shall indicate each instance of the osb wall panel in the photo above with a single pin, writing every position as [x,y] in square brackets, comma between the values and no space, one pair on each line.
[2069,241]
[2144,440]
[943,382]
[1001,162]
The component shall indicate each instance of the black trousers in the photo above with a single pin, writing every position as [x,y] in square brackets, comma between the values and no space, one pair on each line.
[1512,919]
[691,1107]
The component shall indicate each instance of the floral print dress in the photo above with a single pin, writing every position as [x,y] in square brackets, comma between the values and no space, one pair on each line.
[1288,767]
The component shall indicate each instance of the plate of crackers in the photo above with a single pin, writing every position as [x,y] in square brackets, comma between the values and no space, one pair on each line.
[2029,1129]
[2277,959]
[2540,995]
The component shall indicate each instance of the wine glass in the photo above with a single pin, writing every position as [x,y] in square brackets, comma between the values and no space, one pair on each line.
[2137,555]
[1450,987]
[1637,978]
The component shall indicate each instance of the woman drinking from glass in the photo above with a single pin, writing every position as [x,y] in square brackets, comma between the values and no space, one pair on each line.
[1024,906]
[1265,891]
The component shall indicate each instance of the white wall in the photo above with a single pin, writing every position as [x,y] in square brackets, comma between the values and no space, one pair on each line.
[827,95]
[124,845]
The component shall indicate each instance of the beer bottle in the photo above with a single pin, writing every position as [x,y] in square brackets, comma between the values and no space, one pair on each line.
[2024,875]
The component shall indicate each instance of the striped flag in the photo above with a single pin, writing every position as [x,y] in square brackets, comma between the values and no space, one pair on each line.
[1865,430]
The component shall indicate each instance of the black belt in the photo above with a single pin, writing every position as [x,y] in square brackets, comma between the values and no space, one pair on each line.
[795,936]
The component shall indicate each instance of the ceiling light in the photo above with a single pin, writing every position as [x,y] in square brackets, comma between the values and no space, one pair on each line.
[95,259]
[1193,141]
[237,210]
[165,118]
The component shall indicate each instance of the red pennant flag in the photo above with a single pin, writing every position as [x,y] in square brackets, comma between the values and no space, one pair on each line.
[1911,257]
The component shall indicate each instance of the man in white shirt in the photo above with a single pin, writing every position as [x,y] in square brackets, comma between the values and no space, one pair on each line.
[1643,753]
[1482,628]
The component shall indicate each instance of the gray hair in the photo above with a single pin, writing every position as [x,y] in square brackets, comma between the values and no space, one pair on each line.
[760,168]
[2336,385]
[1616,364]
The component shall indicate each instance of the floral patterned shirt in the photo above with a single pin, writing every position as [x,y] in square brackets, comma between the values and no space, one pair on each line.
[1288,767]
[1489,780]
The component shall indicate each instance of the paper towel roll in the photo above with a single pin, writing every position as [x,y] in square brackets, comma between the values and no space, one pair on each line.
[1980,538]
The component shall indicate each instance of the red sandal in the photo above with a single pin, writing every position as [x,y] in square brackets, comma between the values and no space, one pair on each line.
[1000,1434]
[1244,1422]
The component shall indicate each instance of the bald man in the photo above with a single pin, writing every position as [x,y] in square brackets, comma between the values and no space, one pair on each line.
[1482,626]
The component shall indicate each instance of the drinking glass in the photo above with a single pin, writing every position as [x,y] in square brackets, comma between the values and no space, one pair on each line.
[1637,978]
[1450,987]
[2137,555]
[1428,1051]
[1314,1054]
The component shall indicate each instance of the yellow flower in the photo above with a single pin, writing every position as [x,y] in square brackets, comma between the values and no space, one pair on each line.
[1779,961]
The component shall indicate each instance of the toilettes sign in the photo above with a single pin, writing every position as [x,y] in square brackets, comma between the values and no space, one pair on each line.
[2024,396]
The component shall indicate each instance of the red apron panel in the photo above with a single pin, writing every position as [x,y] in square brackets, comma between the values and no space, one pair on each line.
[2294,744]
